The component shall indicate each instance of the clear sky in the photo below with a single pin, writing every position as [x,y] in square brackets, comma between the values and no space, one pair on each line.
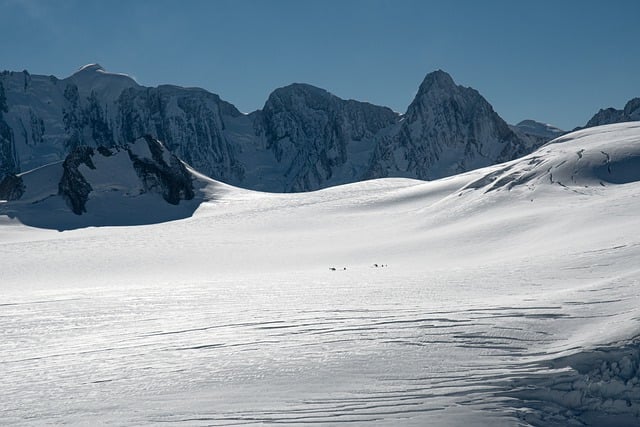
[553,61]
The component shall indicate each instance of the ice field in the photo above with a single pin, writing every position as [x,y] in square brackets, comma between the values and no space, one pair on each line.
[504,296]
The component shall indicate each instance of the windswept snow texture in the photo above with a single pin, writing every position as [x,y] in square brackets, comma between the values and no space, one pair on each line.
[504,296]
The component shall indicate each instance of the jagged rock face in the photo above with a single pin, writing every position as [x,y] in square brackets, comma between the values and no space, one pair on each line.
[191,122]
[304,139]
[47,118]
[155,171]
[11,187]
[630,113]
[7,155]
[448,129]
[316,135]
[73,186]
[172,179]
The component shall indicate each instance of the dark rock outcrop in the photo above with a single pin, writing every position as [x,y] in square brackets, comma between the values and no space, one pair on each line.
[159,172]
[8,163]
[11,187]
[630,113]
[73,186]
[172,180]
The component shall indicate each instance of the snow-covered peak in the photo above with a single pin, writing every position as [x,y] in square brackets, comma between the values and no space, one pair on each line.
[437,88]
[94,78]
[90,68]
[533,127]
[93,70]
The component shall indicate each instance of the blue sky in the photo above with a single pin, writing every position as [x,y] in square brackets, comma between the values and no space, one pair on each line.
[553,61]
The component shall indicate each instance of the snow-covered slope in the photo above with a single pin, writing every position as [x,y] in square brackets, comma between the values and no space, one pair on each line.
[503,296]
[578,161]
[303,139]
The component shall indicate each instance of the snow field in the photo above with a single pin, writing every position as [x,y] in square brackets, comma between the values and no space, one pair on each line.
[510,298]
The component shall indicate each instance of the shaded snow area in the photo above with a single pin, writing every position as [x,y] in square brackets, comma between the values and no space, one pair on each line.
[504,296]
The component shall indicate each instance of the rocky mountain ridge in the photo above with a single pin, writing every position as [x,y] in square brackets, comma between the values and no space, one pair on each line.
[303,139]
[534,133]
[630,113]
[447,129]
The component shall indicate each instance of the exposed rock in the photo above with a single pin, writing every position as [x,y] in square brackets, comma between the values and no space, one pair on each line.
[11,187]
[630,113]
[73,186]
[172,179]
[7,147]
[158,171]
[191,122]
[304,138]
[448,129]
[315,135]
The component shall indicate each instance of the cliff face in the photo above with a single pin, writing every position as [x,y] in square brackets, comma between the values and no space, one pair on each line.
[318,139]
[103,169]
[303,139]
[448,129]
[47,118]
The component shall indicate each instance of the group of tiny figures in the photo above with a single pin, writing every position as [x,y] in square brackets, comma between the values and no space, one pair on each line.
[373,266]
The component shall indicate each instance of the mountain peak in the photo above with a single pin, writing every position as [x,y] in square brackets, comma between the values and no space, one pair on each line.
[630,113]
[93,77]
[439,79]
[97,71]
[302,88]
[90,68]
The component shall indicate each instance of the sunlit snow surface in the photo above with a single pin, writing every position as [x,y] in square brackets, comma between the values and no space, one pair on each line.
[509,296]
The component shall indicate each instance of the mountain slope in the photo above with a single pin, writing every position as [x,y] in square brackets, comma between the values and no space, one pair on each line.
[303,139]
[509,297]
[577,161]
[49,117]
[630,113]
[535,134]
[132,184]
[318,139]
[447,129]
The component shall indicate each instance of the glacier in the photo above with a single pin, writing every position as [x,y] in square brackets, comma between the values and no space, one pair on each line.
[509,296]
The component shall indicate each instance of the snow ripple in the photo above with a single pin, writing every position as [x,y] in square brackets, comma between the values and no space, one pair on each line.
[242,358]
